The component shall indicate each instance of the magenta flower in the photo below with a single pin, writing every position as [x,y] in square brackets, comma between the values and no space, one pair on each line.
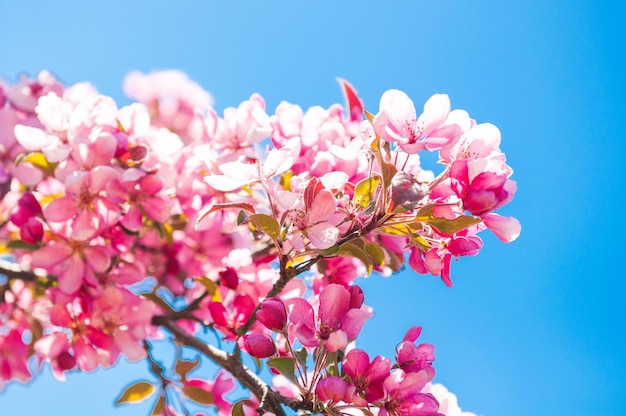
[366,376]
[404,397]
[337,323]
[415,358]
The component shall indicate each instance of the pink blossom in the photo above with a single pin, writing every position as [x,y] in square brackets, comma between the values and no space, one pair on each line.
[415,358]
[84,204]
[366,376]
[403,396]
[336,323]
[72,263]
[397,121]
[314,220]
[507,229]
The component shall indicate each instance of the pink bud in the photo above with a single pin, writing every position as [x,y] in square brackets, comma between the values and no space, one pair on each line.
[66,361]
[273,314]
[257,345]
[32,231]
[356,297]
[30,203]
[229,277]
[331,389]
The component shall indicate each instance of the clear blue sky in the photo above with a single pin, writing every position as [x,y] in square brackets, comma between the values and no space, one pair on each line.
[532,328]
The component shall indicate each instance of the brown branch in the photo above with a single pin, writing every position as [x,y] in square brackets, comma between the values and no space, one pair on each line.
[270,400]
[14,271]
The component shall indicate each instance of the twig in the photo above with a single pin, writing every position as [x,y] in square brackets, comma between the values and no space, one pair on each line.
[270,400]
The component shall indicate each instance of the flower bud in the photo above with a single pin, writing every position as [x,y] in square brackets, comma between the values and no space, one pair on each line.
[30,203]
[257,345]
[331,389]
[32,231]
[356,296]
[229,277]
[272,314]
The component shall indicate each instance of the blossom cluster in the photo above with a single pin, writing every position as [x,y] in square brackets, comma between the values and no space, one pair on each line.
[117,216]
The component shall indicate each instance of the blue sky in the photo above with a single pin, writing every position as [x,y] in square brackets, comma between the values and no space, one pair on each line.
[535,327]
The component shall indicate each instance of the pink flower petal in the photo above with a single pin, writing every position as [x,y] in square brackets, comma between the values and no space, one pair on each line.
[507,229]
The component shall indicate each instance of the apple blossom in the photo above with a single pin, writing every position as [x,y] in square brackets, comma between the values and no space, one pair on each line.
[164,220]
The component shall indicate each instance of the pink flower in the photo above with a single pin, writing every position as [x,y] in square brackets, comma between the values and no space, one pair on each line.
[337,323]
[84,205]
[72,263]
[314,221]
[404,396]
[397,122]
[415,358]
[366,376]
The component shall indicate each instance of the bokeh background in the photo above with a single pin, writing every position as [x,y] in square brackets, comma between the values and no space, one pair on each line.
[534,327]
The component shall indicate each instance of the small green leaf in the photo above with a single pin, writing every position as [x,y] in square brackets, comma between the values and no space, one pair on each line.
[389,171]
[285,366]
[350,249]
[238,409]
[38,160]
[183,367]
[365,191]
[198,395]
[375,252]
[156,299]
[211,288]
[453,226]
[302,354]
[218,207]
[136,392]
[20,245]
[267,224]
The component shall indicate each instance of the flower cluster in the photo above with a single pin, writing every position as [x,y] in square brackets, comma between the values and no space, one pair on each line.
[112,218]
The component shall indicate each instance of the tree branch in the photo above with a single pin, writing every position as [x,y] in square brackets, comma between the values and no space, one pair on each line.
[270,400]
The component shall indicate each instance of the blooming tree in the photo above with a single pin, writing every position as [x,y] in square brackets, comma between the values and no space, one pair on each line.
[234,236]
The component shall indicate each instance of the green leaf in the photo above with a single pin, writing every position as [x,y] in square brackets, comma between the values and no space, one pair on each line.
[183,367]
[389,171]
[38,160]
[20,245]
[365,191]
[425,214]
[453,226]
[285,366]
[198,395]
[218,207]
[375,252]
[211,288]
[238,409]
[353,250]
[156,299]
[302,355]
[267,224]
[136,392]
